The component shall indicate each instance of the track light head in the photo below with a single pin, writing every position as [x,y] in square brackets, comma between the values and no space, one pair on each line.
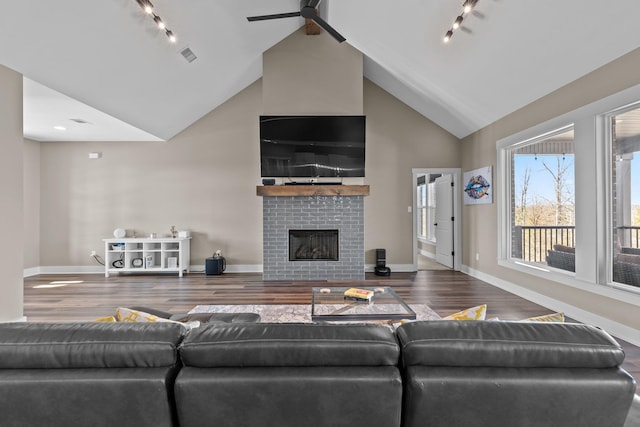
[457,22]
[148,7]
[159,22]
[448,36]
[169,34]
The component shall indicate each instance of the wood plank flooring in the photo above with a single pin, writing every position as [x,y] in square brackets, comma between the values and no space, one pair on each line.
[85,297]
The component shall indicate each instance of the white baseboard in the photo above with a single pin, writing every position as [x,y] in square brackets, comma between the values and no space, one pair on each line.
[617,329]
[398,268]
[69,269]
[232,268]
[19,319]
[34,271]
[427,254]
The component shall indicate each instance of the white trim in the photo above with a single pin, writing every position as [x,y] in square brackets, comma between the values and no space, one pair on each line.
[70,269]
[19,319]
[617,329]
[622,293]
[456,173]
[32,271]
[231,268]
[427,254]
[395,268]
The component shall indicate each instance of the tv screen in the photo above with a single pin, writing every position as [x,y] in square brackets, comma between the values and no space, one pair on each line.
[312,146]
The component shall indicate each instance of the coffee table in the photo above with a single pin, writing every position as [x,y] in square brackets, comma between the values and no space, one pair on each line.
[329,304]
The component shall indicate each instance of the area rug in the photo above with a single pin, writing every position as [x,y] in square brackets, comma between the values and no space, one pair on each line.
[292,313]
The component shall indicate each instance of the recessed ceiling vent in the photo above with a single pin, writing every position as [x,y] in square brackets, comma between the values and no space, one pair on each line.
[188,54]
[80,121]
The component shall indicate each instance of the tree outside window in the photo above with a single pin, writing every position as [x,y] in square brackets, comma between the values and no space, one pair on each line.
[543,201]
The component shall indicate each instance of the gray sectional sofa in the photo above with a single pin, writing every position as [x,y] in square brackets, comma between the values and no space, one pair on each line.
[437,373]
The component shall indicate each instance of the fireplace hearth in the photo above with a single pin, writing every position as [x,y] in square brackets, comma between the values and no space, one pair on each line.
[313,245]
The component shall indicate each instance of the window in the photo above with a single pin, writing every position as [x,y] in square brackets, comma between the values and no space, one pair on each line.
[431,211]
[624,211]
[422,207]
[426,205]
[542,208]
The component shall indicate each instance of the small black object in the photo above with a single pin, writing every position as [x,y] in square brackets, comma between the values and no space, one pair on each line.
[381,257]
[119,263]
[268,181]
[381,268]
[215,266]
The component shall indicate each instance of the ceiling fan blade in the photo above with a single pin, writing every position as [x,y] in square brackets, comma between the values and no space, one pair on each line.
[328,28]
[276,16]
[313,3]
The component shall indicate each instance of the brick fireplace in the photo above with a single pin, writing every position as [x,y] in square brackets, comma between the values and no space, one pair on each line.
[339,215]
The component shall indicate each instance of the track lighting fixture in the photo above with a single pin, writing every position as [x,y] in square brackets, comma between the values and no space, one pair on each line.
[467,7]
[148,8]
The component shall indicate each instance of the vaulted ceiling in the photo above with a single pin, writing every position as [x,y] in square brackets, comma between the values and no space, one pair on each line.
[104,62]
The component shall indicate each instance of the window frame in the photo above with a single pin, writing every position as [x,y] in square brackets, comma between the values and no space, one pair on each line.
[508,173]
[593,226]
[607,275]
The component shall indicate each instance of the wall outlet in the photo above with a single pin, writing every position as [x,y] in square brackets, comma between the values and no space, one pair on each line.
[92,254]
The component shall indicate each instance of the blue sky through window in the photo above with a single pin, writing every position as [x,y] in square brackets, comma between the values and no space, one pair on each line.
[541,183]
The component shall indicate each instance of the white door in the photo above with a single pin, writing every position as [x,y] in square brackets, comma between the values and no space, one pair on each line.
[444,220]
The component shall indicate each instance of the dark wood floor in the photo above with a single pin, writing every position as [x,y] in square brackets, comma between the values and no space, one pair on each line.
[88,296]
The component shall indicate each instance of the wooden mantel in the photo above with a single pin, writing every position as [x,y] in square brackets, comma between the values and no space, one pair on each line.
[312,190]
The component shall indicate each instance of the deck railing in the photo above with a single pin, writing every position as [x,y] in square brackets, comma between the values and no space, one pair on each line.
[629,236]
[530,243]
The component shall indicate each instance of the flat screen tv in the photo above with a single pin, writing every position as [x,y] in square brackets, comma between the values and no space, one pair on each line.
[312,146]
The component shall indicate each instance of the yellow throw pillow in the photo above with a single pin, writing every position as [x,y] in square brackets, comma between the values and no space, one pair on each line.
[129,315]
[555,317]
[473,313]
[105,319]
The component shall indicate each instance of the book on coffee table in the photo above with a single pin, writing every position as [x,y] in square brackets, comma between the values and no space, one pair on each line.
[359,294]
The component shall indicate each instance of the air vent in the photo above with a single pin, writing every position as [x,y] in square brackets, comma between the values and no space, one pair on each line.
[80,121]
[188,54]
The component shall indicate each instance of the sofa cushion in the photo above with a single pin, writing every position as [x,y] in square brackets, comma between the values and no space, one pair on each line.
[564,248]
[89,345]
[629,258]
[508,344]
[290,344]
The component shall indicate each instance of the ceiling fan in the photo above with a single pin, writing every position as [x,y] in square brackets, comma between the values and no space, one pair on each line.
[307,11]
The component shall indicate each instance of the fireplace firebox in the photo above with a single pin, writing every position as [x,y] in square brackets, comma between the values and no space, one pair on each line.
[313,245]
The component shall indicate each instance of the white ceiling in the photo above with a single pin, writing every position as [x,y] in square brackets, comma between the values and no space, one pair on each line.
[118,72]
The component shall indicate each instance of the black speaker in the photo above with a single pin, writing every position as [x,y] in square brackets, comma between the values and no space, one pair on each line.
[215,265]
[268,181]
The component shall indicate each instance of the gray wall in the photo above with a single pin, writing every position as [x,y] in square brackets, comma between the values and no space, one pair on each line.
[479,149]
[205,178]
[11,195]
